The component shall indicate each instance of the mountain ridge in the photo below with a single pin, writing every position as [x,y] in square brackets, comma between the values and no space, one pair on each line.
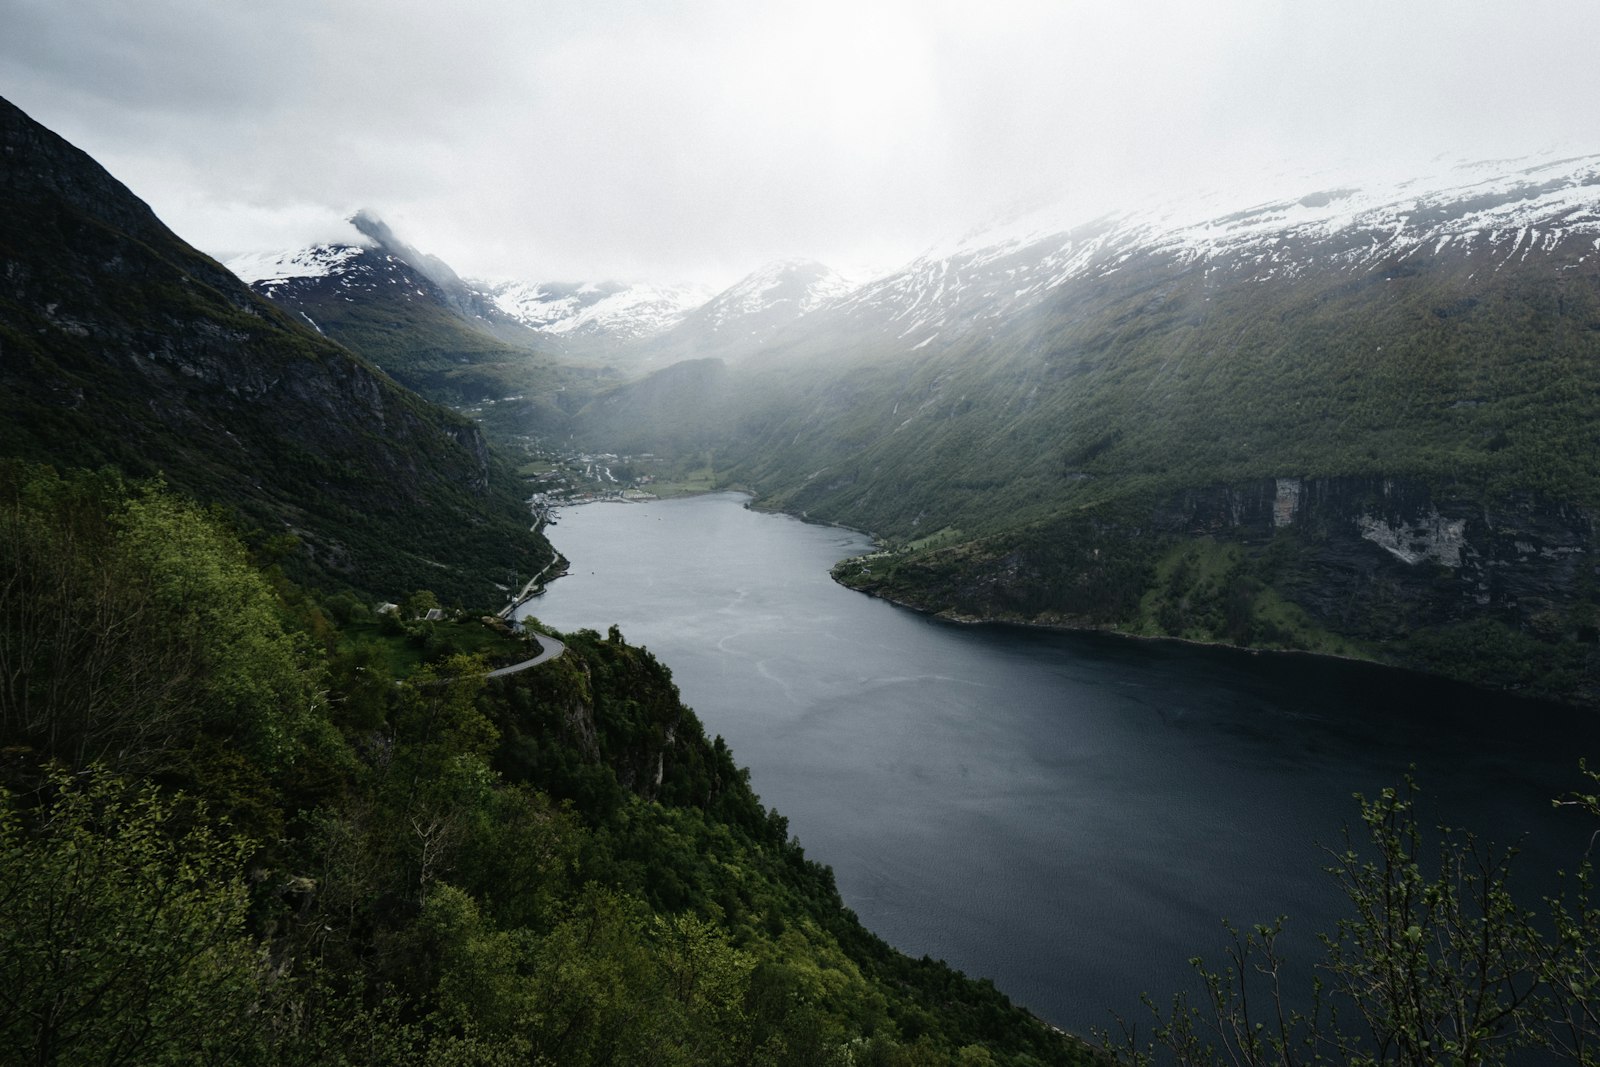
[125,346]
[616,317]
[629,325]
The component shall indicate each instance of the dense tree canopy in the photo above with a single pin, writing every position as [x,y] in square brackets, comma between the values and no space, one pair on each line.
[245,823]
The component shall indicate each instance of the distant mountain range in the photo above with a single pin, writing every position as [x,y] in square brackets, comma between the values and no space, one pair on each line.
[630,326]
[991,274]
[1514,211]
[609,312]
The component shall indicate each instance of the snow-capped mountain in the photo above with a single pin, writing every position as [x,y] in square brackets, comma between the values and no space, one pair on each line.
[372,265]
[1493,211]
[346,269]
[652,325]
[1470,200]
[737,322]
[266,271]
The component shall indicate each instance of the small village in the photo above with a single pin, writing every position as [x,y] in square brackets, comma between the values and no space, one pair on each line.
[558,479]
[586,478]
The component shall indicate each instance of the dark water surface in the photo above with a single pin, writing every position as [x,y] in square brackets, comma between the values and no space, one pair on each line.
[1070,815]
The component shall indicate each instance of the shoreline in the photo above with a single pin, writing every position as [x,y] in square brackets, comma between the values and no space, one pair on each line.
[960,619]
[535,586]
[975,620]
[1219,647]
[808,520]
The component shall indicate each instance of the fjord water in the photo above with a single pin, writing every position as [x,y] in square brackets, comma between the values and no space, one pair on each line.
[1070,815]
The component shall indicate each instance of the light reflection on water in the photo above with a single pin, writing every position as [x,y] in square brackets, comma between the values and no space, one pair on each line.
[1070,815]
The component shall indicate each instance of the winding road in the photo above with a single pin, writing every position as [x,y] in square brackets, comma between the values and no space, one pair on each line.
[549,649]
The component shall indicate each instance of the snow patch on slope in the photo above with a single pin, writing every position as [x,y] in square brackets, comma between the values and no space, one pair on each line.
[627,312]
[787,288]
[318,261]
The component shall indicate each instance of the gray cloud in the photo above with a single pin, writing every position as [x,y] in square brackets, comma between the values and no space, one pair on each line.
[695,140]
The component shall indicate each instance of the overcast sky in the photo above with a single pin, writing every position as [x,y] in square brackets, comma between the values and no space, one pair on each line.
[697,140]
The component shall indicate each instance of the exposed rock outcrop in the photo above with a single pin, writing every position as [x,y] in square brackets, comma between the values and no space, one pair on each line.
[1433,556]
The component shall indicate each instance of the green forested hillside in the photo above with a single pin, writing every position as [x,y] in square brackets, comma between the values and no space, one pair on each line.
[1055,465]
[228,835]
[1163,379]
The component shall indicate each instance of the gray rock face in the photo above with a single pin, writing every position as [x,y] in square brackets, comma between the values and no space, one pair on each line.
[1498,590]
[1380,556]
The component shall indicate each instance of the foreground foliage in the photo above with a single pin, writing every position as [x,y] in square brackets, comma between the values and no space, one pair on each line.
[1436,964]
[124,939]
[229,834]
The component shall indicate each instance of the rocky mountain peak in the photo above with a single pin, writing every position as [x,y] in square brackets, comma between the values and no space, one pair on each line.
[386,240]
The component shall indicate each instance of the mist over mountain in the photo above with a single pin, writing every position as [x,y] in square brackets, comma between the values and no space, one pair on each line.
[340,286]
[609,313]
[1358,420]
[1328,394]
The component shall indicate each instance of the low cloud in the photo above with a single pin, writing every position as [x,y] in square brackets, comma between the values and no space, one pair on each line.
[694,141]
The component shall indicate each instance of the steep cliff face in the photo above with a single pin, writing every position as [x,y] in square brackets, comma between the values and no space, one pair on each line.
[1504,593]
[1436,556]
[609,704]
[121,345]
